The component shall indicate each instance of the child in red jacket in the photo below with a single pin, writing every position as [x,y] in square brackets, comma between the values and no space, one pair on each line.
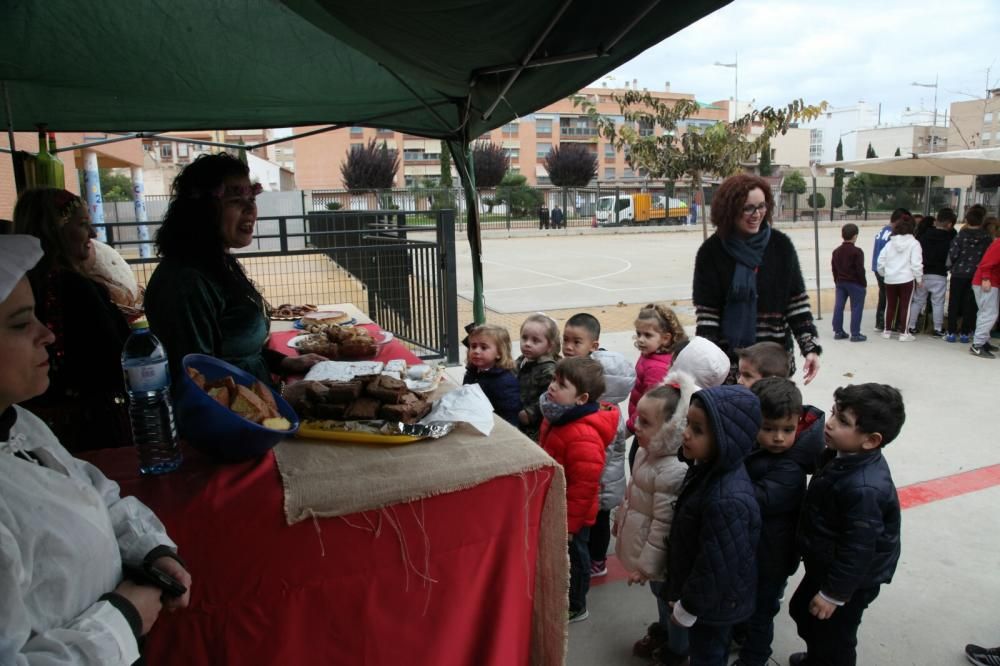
[574,432]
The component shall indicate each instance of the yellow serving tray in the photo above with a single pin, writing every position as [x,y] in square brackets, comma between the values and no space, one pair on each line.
[353,436]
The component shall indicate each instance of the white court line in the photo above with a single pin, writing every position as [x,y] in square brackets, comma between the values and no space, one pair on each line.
[562,280]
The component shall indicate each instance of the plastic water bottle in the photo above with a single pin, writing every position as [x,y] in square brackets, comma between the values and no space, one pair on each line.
[147,381]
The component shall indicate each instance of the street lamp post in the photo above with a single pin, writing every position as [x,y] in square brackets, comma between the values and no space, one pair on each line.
[933,138]
[735,66]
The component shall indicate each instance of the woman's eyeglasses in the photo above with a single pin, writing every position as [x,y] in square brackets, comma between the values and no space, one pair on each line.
[759,208]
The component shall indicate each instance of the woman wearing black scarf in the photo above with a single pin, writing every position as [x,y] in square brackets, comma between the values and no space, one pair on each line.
[748,285]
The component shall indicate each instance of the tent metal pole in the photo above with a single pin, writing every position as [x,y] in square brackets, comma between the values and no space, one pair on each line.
[462,152]
[293,137]
[527,58]
[104,142]
[419,98]
[16,163]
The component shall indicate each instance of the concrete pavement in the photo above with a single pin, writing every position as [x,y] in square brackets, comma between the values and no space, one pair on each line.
[947,588]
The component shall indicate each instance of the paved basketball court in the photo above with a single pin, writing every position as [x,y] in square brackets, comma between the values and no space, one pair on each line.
[947,459]
[547,272]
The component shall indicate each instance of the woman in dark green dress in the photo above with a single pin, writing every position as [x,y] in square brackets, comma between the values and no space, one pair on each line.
[199,299]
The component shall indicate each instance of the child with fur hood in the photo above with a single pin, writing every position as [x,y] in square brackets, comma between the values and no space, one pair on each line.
[643,519]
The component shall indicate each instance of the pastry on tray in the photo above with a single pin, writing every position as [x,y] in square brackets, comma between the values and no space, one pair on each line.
[386,389]
[362,409]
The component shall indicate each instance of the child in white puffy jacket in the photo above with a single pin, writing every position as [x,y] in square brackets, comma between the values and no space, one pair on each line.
[642,522]
[901,263]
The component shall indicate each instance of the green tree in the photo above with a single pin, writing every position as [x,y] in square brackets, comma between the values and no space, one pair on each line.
[115,186]
[445,179]
[370,167]
[819,200]
[490,162]
[838,178]
[870,153]
[520,198]
[793,183]
[764,167]
[678,151]
[897,153]
[857,191]
[571,165]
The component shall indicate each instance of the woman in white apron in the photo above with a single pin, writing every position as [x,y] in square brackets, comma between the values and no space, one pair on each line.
[65,531]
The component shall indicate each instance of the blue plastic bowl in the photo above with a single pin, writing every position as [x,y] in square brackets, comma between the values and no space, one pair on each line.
[216,430]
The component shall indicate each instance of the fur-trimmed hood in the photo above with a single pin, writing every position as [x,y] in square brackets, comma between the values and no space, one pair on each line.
[667,441]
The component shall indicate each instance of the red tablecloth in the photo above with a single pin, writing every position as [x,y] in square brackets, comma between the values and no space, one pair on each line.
[387,352]
[341,590]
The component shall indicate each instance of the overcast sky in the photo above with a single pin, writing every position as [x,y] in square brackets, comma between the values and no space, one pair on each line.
[841,51]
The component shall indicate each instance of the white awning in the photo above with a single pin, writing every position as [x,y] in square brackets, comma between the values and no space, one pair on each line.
[976,162]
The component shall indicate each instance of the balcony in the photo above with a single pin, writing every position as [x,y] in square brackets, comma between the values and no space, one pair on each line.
[589,134]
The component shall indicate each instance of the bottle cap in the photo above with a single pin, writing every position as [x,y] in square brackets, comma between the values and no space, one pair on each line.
[140,324]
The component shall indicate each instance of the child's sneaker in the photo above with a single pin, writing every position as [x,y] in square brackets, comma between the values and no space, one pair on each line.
[859,338]
[913,331]
[598,568]
[886,334]
[988,347]
[578,616]
[979,350]
[983,656]
[937,334]
[963,338]
[951,337]
[907,337]
[840,335]
[656,636]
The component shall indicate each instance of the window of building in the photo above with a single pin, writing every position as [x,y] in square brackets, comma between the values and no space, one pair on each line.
[166,151]
[988,118]
[515,169]
[543,126]
[577,126]
[774,154]
[985,142]
[510,129]
[382,131]
[609,173]
[542,149]
[646,127]
[359,146]
[628,173]
[183,150]
[986,136]
[357,131]
[815,144]
[609,151]
[512,153]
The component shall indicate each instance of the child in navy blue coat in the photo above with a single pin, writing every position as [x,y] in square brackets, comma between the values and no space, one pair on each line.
[491,365]
[848,531]
[711,550]
[777,466]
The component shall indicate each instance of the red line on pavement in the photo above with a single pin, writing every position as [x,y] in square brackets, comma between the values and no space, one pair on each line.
[911,496]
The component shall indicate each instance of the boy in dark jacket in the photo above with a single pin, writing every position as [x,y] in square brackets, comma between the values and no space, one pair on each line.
[711,550]
[848,531]
[777,466]
[934,244]
[964,255]
[848,263]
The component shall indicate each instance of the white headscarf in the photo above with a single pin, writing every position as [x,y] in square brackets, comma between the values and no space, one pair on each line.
[18,254]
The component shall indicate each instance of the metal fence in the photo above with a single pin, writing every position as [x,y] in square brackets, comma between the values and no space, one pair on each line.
[403,276]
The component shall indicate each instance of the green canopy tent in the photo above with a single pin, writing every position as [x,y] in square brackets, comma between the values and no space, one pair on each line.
[446,69]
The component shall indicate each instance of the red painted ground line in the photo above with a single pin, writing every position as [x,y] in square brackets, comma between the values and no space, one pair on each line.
[910,496]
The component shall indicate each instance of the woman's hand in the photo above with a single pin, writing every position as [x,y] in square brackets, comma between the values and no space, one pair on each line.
[146,600]
[171,566]
[811,367]
[298,365]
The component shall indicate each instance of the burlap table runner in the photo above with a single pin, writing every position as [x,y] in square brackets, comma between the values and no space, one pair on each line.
[326,480]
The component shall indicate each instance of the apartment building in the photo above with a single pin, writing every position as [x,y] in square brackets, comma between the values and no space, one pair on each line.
[527,140]
[166,155]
